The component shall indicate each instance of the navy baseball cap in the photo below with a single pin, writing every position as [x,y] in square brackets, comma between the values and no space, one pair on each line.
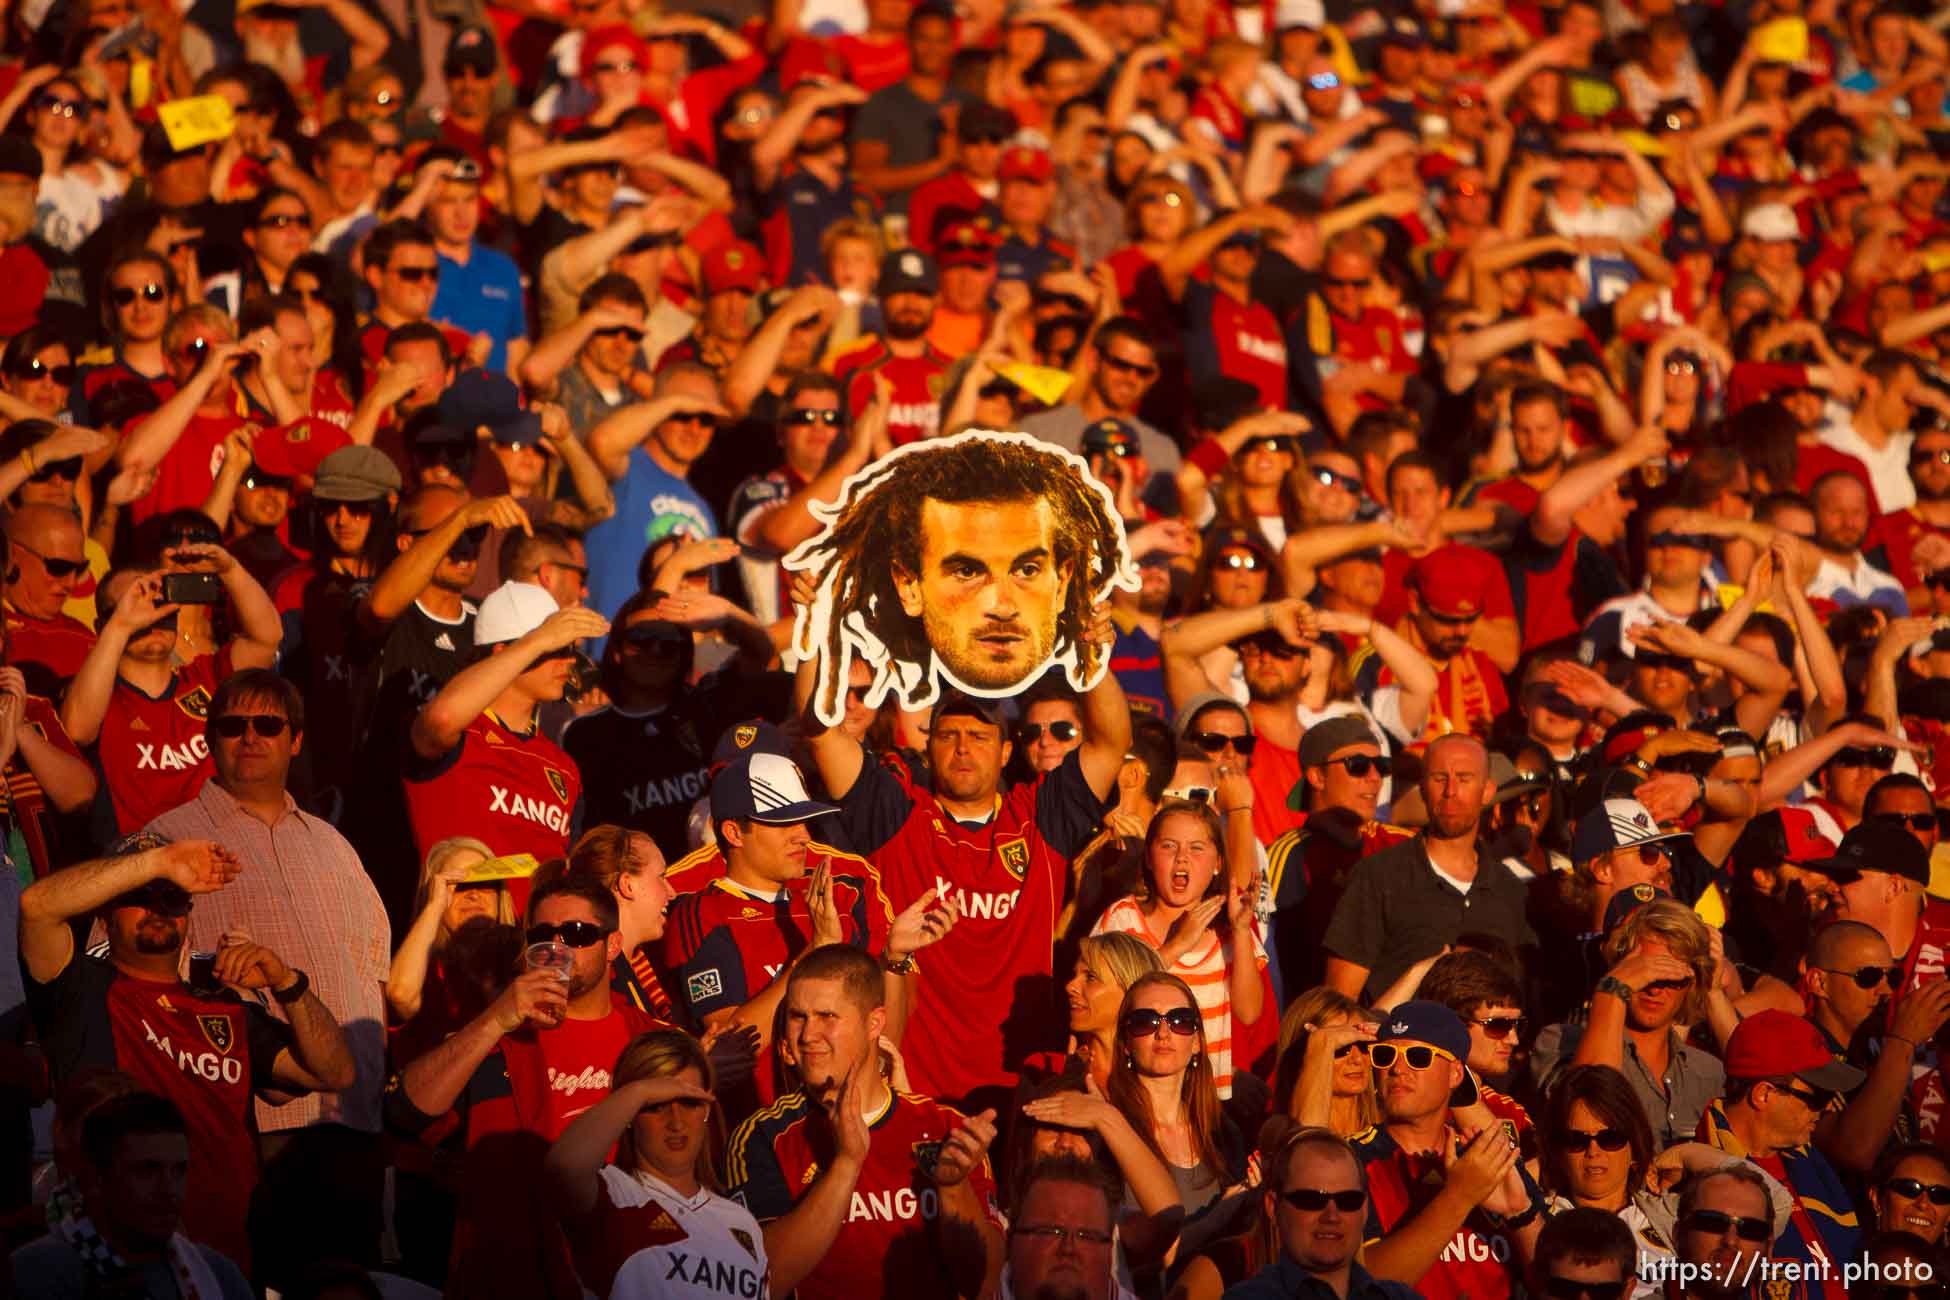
[482,399]
[953,701]
[754,737]
[1627,901]
[1876,844]
[1422,1021]
[1616,824]
[764,788]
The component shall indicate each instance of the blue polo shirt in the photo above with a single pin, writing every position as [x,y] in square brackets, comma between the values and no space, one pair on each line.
[482,297]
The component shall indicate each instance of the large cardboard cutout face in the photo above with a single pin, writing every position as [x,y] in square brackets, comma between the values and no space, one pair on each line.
[976,561]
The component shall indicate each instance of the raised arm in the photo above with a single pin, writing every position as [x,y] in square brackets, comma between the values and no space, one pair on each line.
[759,358]
[401,582]
[1106,721]
[1196,249]
[434,1081]
[319,1059]
[51,903]
[152,437]
[622,432]
[1578,485]
[438,726]
[574,1165]
[85,704]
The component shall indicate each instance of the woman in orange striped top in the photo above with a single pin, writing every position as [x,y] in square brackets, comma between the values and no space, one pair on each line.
[1178,901]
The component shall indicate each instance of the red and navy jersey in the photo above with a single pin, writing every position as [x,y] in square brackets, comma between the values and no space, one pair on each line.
[885,1247]
[518,1100]
[153,751]
[26,798]
[1553,588]
[1240,340]
[207,1052]
[515,790]
[989,983]
[916,381]
[1477,1264]
[798,210]
[57,644]
[937,204]
[706,863]
[189,468]
[1018,259]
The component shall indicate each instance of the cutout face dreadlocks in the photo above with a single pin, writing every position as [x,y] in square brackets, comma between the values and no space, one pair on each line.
[976,560]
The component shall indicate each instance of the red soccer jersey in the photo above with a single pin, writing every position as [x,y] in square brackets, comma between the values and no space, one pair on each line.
[885,1247]
[935,204]
[516,790]
[1510,491]
[1474,1265]
[188,468]
[24,790]
[1274,770]
[917,382]
[1241,340]
[331,401]
[153,751]
[989,982]
[59,643]
[1900,532]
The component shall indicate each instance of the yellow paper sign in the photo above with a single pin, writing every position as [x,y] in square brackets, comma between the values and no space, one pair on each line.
[1785,40]
[1044,383]
[1592,98]
[1936,259]
[191,122]
[515,866]
[1645,143]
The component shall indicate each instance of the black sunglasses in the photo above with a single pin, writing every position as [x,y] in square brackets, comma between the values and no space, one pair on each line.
[1116,362]
[1501,1027]
[655,239]
[1697,541]
[258,479]
[1313,1201]
[1345,282]
[1063,731]
[1359,765]
[1941,456]
[284,221]
[1239,560]
[69,469]
[1923,821]
[1345,482]
[630,332]
[577,934]
[56,566]
[357,509]
[810,415]
[1183,1021]
[1915,1187]
[33,368]
[231,725]
[1277,442]
[1813,1098]
[416,274]
[1867,977]
[1716,1224]
[1578,1141]
[123,294]
[1880,757]
[1212,742]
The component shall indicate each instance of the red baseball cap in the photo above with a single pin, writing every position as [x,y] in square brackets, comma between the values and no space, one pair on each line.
[1023,163]
[1775,1044]
[294,450]
[1450,584]
[603,39]
[733,265]
[965,243]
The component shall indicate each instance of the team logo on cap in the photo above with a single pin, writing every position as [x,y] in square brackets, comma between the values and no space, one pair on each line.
[1643,892]
[911,264]
[1640,819]
[1015,856]
[216,1031]
[1398,1028]
[733,259]
[744,736]
[557,782]
[196,703]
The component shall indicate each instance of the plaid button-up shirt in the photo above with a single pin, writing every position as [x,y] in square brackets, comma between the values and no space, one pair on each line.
[304,895]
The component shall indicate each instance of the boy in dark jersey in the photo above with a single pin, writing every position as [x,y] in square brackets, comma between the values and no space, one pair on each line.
[202,1046]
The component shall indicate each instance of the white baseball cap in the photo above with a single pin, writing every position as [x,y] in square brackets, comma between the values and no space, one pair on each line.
[1311,14]
[1771,221]
[512,610]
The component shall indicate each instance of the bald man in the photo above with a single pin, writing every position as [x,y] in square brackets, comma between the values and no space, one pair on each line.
[45,563]
[1412,899]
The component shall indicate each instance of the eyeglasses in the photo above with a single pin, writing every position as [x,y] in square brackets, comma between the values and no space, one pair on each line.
[692,417]
[382,99]
[1053,1235]
[231,725]
[64,107]
[1915,1187]
[630,332]
[258,480]
[580,570]
[1680,367]
[984,137]
[1239,560]
[195,350]
[284,221]
[1183,1021]
[124,294]
[69,469]
[1813,1098]
[1359,765]
[627,65]
[1420,1056]
[1213,742]
[33,368]
[1571,1288]
[1715,1224]
[577,934]
[416,274]
[1501,1027]
[1348,1049]
[688,1105]
[56,567]
[1276,443]
[1868,977]
[1063,731]
[1116,362]
[1923,821]
[811,415]
[1313,1201]
[1577,1141]
[1345,482]
[1880,757]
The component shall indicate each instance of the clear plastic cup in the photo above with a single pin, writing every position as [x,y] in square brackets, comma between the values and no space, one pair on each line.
[555,957]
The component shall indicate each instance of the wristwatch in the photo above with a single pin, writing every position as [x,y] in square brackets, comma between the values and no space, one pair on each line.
[1615,986]
[298,989]
[902,967]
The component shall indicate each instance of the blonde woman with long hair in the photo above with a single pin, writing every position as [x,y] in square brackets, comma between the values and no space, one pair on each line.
[1107,966]
[444,902]
[1323,1079]
[668,1133]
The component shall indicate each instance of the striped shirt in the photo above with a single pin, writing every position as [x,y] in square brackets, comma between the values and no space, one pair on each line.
[1207,969]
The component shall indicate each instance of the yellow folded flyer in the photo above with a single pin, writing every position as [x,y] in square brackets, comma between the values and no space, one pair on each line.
[191,122]
[516,866]
[1044,383]
[1785,40]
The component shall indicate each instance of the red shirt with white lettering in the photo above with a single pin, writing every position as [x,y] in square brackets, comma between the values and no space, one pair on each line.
[1241,340]
[917,382]
[205,1052]
[153,751]
[884,1248]
[515,790]
[189,468]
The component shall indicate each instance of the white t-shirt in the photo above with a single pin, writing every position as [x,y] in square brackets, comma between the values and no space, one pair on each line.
[644,1241]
